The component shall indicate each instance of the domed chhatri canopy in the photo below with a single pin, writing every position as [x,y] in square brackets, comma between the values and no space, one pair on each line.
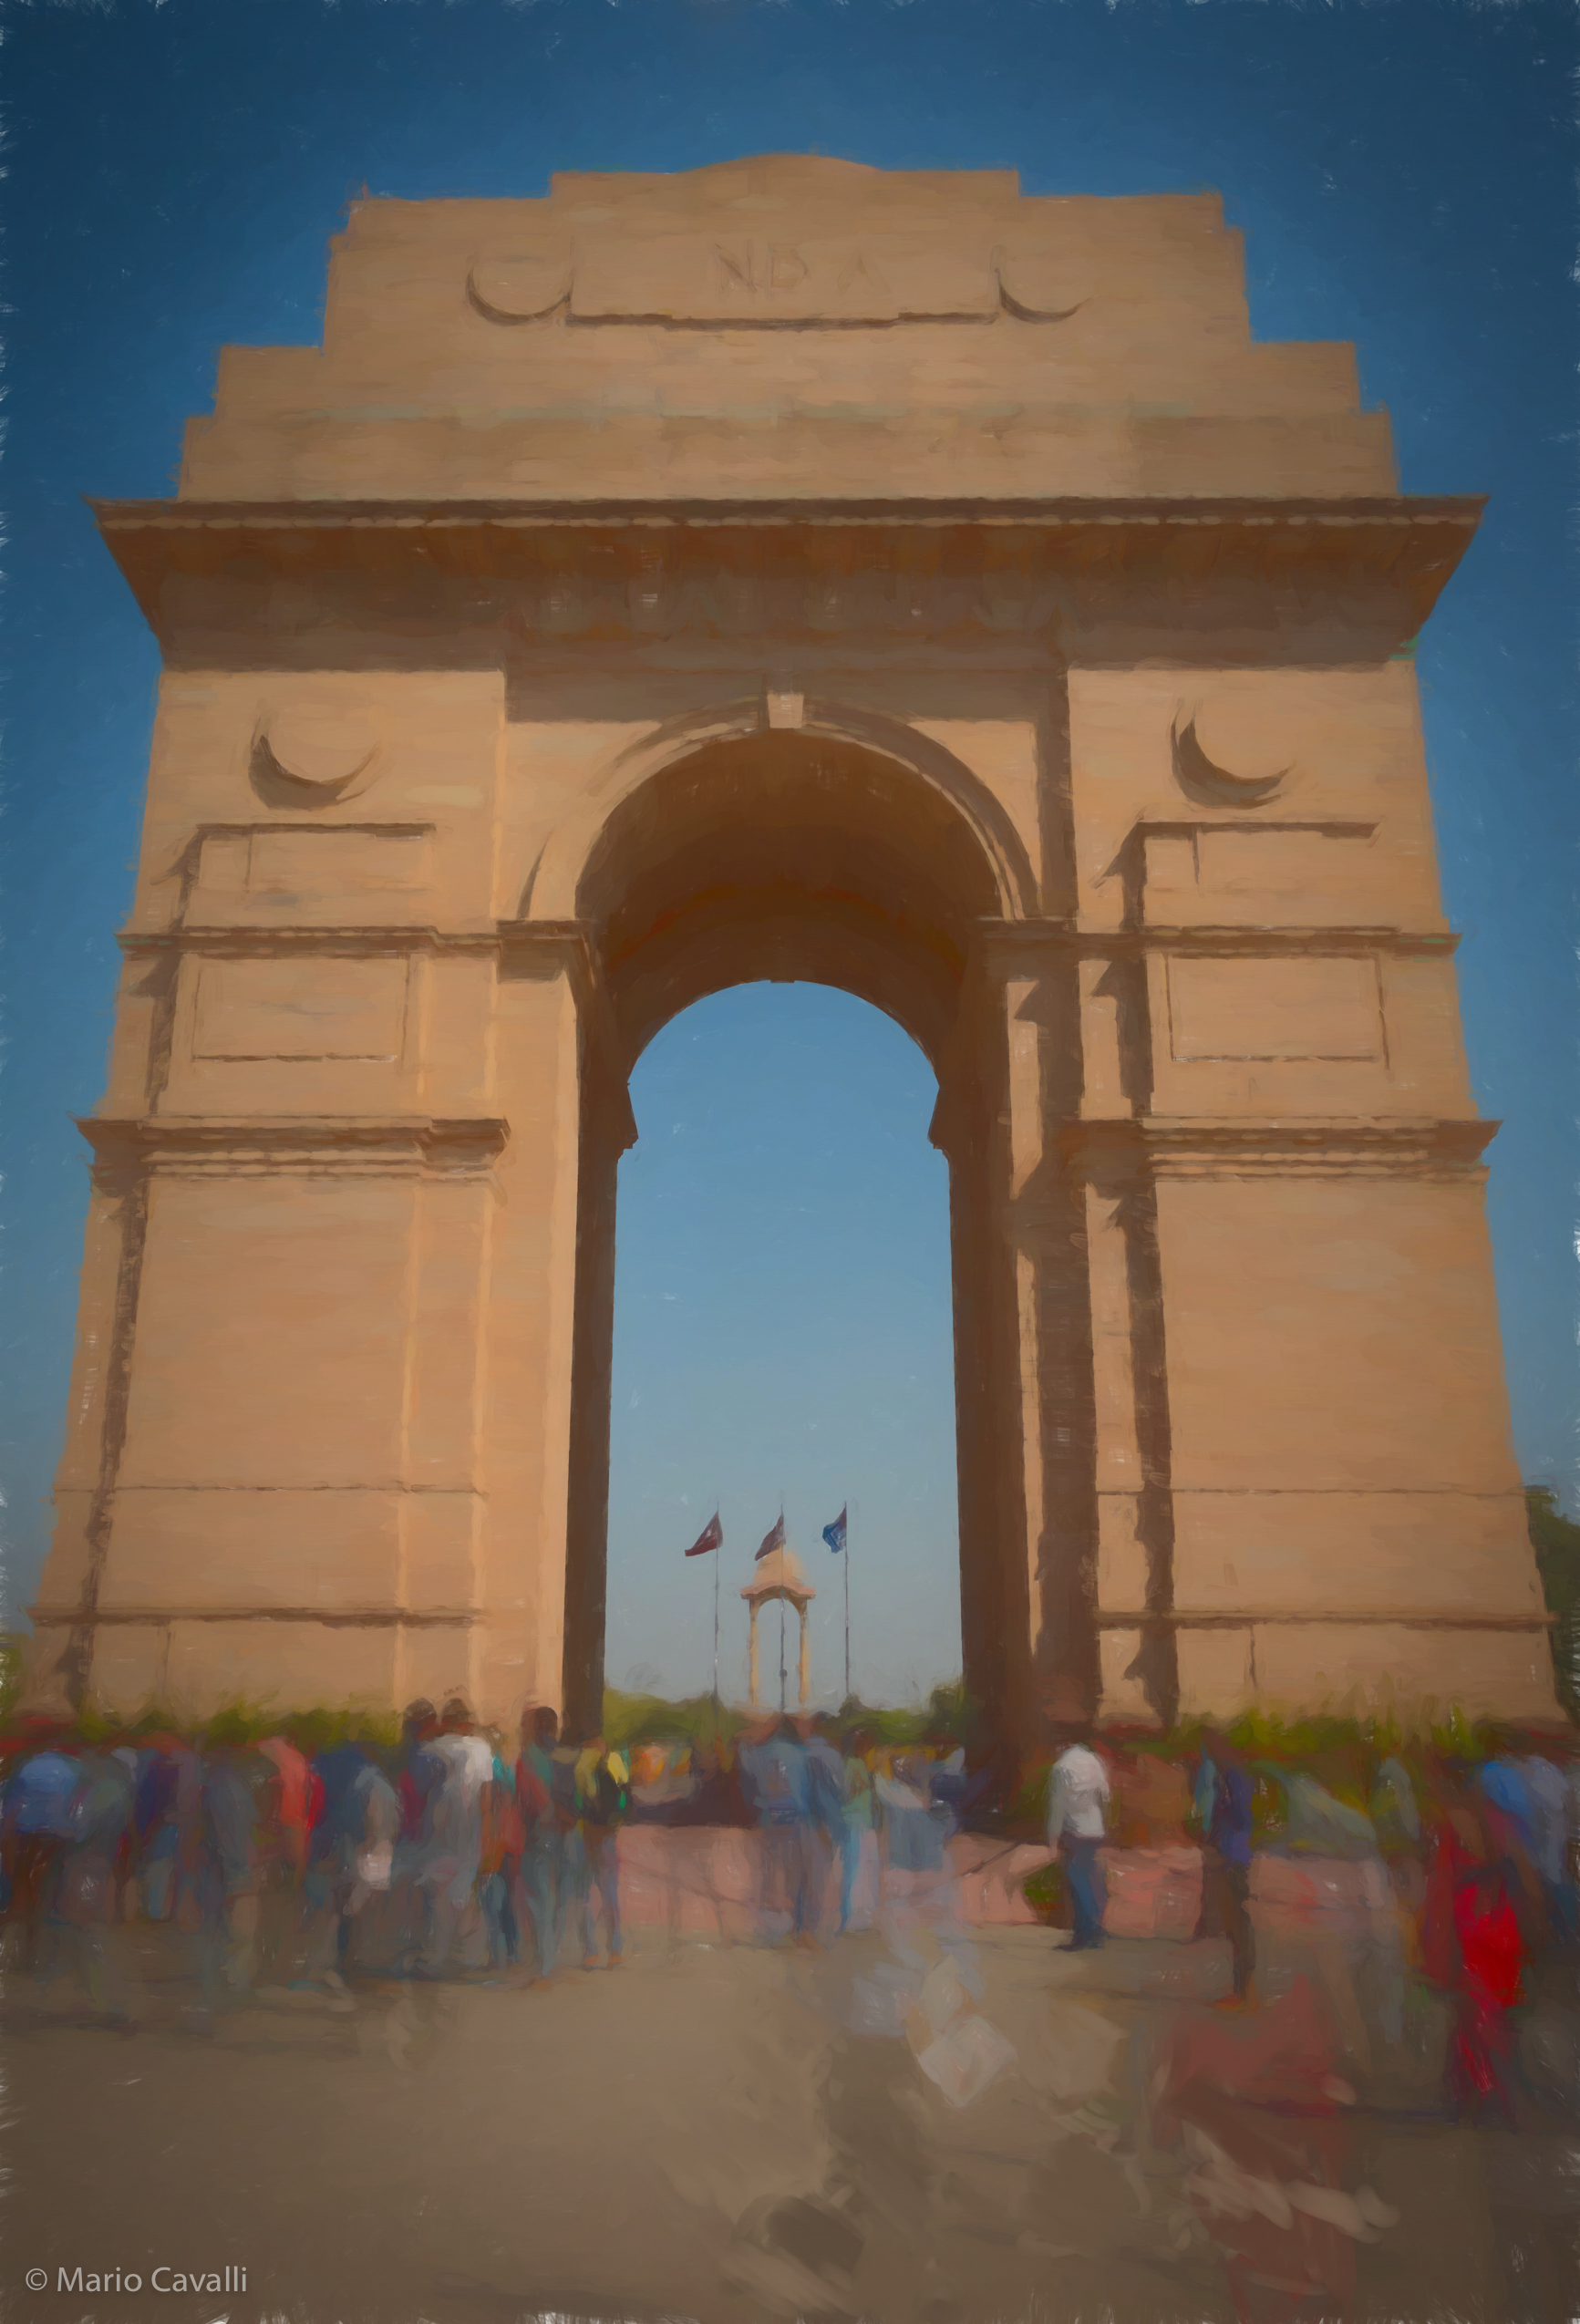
[779,1575]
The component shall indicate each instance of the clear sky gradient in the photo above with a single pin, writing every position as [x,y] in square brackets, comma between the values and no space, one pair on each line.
[1403,176]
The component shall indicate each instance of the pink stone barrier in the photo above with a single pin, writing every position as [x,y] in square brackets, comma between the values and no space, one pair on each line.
[991,1874]
[1153,1892]
[705,1881]
[700,1880]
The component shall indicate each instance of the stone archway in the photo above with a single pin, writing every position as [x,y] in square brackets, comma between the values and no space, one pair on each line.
[792,854]
[962,608]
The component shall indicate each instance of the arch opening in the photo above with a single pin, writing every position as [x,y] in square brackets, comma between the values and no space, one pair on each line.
[782,1323]
[808,859]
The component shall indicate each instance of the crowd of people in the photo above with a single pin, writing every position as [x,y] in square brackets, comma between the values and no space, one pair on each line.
[1474,1863]
[274,1864]
[452,1852]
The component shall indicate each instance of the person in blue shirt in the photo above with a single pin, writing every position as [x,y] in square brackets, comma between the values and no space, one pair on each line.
[546,1823]
[826,1814]
[157,1822]
[34,1828]
[224,1876]
[82,1908]
[40,1795]
[775,1774]
[912,1835]
[333,1845]
[1224,1795]
[858,1842]
[1503,1785]
[1548,1792]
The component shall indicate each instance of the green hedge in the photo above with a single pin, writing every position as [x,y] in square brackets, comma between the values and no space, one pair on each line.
[1343,1752]
[629,1720]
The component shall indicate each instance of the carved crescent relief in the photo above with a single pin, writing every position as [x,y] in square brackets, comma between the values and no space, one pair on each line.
[1224,757]
[1041,285]
[307,754]
[521,286]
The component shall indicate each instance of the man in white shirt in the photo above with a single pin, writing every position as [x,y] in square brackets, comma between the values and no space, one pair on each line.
[1078,1797]
[454,1831]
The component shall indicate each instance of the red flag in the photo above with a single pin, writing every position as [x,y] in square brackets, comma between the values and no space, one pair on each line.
[770,1542]
[710,1537]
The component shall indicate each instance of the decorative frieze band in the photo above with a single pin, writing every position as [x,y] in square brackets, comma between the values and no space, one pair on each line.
[1406,1617]
[353,1618]
[356,1146]
[569,938]
[1001,940]
[571,941]
[233,940]
[1186,1148]
[1077,514]
[1002,568]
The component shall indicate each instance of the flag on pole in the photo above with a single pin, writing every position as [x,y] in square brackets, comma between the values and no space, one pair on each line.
[710,1537]
[772,1541]
[834,1534]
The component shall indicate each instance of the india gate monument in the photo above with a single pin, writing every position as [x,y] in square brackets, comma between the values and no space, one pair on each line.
[789,570]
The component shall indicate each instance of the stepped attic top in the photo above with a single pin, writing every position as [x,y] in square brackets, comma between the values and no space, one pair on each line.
[787,328]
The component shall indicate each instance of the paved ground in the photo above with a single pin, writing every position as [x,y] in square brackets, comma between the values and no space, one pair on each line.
[724,2134]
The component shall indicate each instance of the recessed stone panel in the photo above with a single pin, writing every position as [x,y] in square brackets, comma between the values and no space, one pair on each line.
[346,863]
[1240,875]
[1240,1009]
[350,1010]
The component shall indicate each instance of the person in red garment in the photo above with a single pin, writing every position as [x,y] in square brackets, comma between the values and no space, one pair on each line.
[1473,1946]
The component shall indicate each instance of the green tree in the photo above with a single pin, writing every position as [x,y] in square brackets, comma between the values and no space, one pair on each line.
[11,1650]
[1556,1542]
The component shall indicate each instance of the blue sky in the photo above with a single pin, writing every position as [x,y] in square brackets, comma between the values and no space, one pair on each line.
[782,1323]
[1403,176]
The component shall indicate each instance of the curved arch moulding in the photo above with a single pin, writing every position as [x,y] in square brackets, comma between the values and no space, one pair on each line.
[554,884]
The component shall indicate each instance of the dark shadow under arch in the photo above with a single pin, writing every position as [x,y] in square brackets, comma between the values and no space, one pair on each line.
[787,857]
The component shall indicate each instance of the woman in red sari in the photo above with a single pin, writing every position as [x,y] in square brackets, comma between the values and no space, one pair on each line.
[1473,1946]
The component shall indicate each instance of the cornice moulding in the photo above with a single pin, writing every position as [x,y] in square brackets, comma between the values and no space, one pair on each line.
[1181,1147]
[1396,511]
[574,941]
[1040,561]
[355,1145]
[998,937]
[336,1617]
[1409,1618]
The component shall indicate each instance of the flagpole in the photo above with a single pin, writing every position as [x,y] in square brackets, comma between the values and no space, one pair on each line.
[847,1603]
[782,1676]
[718,1555]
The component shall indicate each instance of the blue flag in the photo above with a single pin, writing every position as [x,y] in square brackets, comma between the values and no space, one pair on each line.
[834,1534]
